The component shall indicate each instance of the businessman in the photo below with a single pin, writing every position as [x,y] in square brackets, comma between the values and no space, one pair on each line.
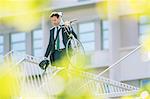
[56,48]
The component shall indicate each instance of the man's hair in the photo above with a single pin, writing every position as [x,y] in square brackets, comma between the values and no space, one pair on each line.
[56,14]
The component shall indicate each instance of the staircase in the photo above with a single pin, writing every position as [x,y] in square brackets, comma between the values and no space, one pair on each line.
[32,79]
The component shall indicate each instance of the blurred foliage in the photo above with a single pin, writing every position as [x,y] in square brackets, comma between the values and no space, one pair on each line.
[22,14]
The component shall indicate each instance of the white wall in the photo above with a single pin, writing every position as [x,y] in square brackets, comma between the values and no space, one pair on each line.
[57,4]
[129,30]
[100,59]
[134,67]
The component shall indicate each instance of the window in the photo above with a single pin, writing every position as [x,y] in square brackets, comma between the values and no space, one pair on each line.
[87,35]
[1,46]
[38,43]
[145,82]
[144,26]
[18,42]
[104,35]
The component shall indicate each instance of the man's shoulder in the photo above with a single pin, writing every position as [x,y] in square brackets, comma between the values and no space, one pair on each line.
[52,28]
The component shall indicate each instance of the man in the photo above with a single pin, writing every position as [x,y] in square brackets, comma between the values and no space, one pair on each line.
[58,40]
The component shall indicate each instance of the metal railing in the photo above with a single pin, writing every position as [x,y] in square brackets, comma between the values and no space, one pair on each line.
[33,80]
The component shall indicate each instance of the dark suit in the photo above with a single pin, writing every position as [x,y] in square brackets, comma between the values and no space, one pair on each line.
[51,46]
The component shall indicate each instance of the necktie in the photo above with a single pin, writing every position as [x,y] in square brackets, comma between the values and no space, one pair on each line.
[58,39]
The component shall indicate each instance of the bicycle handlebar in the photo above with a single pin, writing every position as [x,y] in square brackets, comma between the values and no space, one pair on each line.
[69,27]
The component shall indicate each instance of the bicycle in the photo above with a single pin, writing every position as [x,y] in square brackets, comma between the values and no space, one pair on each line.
[74,48]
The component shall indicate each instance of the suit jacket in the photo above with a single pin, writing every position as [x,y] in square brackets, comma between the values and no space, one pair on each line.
[51,46]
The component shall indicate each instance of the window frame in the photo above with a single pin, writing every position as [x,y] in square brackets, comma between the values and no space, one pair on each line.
[2,44]
[92,41]
[32,37]
[141,82]
[17,42]
[102,34]
[141,24]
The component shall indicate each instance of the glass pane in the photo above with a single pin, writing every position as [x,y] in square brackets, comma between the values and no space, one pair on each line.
[86,27]
[37,43]
[1,39]
[87,37]
[142,38]
[18,37]
[105,35]
[145,81]
[144,19]
[22,52]
[105,24]
[1,49]
[105,44]
[18,46]
[90,46]
[38,52]
[144,29]
[37,34]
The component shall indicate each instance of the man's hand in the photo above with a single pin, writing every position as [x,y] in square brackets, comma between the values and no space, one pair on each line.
[44,64]
[67,23]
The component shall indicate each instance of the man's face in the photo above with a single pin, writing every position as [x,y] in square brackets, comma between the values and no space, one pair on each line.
[55,21]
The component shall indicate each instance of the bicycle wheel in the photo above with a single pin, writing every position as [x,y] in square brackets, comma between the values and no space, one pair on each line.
[75,53]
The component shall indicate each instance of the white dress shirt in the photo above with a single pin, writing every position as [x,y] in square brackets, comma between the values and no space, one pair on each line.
[60,38]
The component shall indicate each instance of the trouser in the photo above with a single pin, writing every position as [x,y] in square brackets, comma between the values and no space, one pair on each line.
[59,58]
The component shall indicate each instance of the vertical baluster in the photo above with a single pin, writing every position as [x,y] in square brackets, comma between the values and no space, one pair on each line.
[97,88]
[18,79]
[33,75]
[103,88]
[31,82]
[38,78]
[106,90]
[48,80]
[100,88]
[111,88]
[26,79]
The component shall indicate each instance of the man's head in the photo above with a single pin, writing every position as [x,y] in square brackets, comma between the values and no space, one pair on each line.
[55,18]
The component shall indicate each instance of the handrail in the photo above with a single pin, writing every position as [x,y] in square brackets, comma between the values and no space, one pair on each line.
[114,64]
[120,60]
